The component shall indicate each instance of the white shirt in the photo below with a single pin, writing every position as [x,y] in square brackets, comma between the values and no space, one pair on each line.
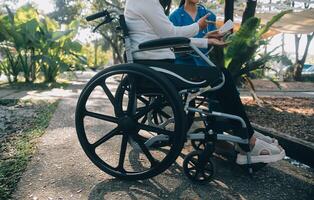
[146,21]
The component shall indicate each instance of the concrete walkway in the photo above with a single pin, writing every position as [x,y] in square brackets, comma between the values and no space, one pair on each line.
[60,170]
[54,94]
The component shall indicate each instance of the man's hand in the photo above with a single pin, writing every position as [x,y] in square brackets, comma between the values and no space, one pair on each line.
[216,42]
[215,34]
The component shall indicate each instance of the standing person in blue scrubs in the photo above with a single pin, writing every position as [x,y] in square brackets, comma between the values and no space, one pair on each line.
[189,12]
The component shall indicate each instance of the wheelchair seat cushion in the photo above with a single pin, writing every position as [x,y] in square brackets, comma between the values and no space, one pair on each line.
[185,76]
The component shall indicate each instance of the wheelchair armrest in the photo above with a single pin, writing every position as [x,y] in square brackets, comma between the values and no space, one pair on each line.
[182,50]
[164,43]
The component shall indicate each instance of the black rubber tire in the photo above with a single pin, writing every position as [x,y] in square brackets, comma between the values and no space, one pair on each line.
[178,135]
[194,171]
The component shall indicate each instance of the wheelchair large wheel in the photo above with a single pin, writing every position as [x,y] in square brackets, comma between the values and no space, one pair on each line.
[159,115]
[110,122]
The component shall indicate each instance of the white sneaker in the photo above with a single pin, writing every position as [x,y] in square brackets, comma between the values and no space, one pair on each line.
[274,153]
[265,138]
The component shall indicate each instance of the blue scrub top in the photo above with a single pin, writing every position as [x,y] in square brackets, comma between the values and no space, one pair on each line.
[180,17]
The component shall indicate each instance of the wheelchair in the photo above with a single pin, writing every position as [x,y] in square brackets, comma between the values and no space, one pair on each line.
[143,112]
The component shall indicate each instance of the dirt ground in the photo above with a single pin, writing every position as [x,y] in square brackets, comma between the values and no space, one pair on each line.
[260,84]
[16,117]
[293,116]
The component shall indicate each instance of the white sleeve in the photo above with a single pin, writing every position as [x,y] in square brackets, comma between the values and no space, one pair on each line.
[154,14]
[200,42]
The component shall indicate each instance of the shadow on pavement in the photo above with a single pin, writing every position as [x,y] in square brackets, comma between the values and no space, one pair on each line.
[275,181]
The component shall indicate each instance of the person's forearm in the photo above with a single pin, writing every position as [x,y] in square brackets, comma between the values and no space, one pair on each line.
[162,26]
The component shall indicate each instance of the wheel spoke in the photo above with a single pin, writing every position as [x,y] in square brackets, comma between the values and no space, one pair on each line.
[108,93]
[143,100]
[160,118]
[101,116]
[145,150]
[106,137]
[165,115]
[155,117]
[192,168]
[154,129]
[122,152]
[132,97]
[194,162]
[121,91]
[144,119]
[145,110]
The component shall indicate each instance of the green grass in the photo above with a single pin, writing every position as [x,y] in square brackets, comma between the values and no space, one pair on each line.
[8,102]
[33,86]
[21,148]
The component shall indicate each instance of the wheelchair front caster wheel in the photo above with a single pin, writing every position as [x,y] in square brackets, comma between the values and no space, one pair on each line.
[198,144]
[197,171]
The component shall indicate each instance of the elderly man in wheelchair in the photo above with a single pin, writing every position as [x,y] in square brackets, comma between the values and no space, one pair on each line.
[150,103]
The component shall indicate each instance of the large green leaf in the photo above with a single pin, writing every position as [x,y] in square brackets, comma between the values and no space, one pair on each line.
[29,30]
[5,26]
[25,14]
[2,33]
[74,26]
[72,46]
[276,18]
[59,34]
[243,40]
[40,41]
[245,44]
[10,15]
[50,25]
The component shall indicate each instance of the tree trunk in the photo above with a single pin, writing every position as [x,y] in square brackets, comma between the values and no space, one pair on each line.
[115,58]
[229,8]
[297,71]
[218,54]
[249,10]
[96,53]
[116,49]
[283,44]
[33,65]
[299,64]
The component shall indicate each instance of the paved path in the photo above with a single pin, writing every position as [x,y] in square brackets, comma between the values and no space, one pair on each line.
[60,170]
[54,94]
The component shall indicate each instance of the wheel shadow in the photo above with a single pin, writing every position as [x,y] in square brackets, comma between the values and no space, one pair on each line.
[230,182]
[172,184]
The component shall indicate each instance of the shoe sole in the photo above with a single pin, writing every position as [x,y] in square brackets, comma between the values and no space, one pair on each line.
[242,159]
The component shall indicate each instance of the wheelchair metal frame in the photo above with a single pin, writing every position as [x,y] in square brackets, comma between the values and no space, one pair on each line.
[191,94]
